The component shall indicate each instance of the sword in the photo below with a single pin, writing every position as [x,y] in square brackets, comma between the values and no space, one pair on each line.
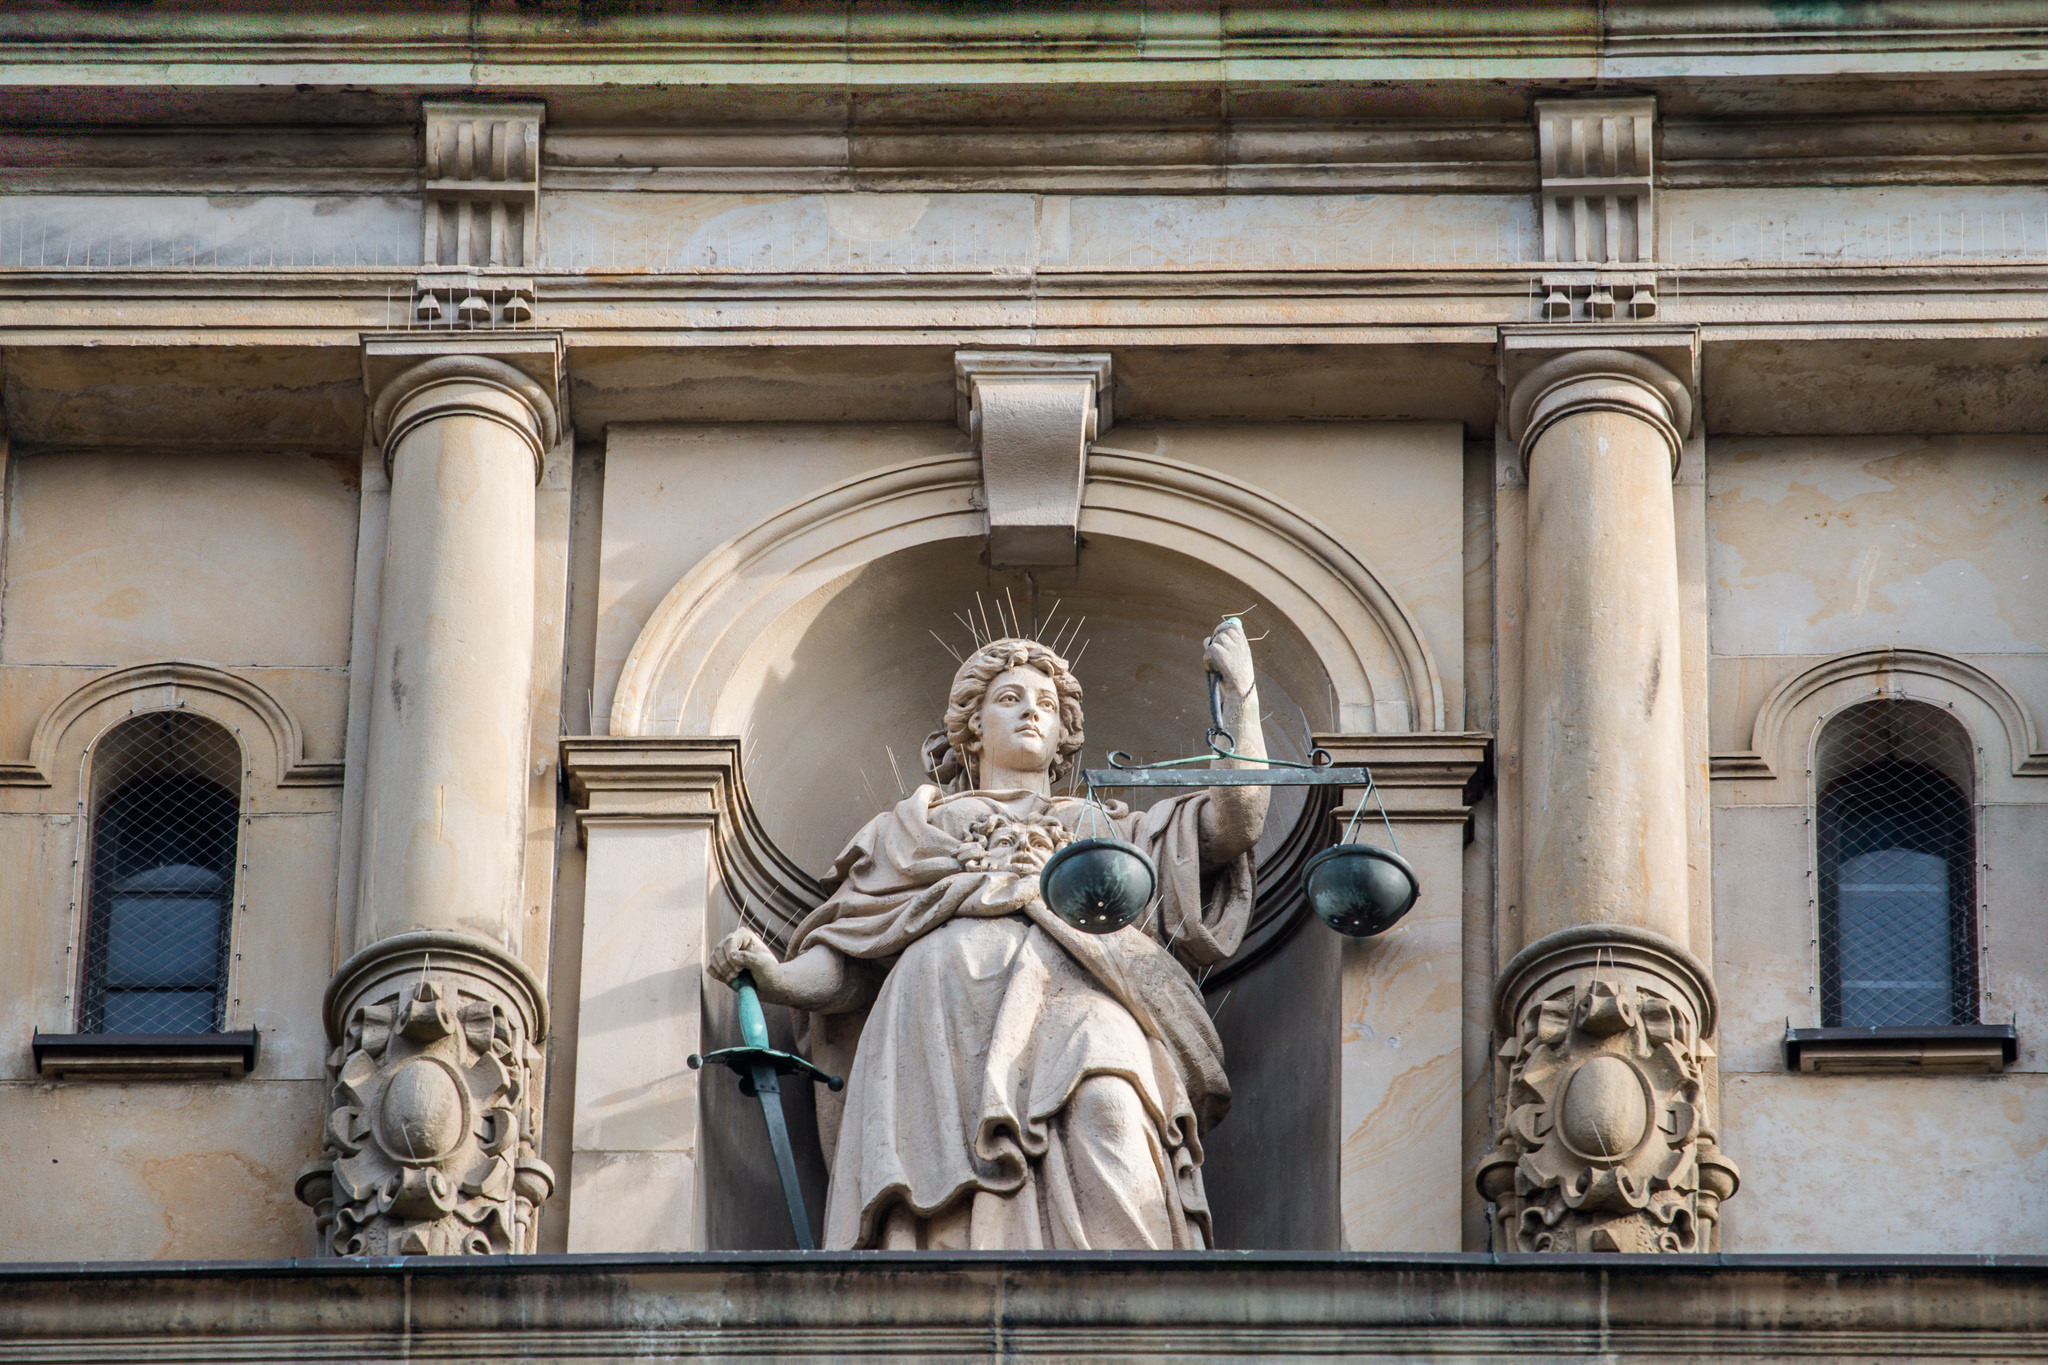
[760,1069]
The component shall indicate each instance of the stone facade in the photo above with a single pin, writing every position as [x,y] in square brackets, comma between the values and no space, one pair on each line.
[512,427]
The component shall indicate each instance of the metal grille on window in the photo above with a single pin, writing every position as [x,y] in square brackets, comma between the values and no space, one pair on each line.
[166,798]
[1895,834]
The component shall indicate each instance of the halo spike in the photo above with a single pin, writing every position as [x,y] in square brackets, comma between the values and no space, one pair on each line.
[1048,622]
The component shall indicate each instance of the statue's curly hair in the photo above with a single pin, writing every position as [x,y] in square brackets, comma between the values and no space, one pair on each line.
[952,756]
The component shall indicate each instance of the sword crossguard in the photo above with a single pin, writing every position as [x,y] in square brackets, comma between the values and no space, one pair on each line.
[743,1060]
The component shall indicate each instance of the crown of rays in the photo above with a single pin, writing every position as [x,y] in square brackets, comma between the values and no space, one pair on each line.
[1055,634]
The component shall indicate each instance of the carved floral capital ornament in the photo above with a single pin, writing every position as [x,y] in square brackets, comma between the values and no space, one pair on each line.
[1604,1142]
[433,1103]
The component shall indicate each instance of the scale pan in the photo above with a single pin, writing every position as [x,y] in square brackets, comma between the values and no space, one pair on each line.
[1359,889]
[1098,885]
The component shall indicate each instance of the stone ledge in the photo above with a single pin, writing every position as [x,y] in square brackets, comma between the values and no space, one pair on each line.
[144,1056]
[1934,1049]
[1053,1305]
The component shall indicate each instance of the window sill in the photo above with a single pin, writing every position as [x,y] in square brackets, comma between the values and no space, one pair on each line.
[1934,1049]
[144,1056]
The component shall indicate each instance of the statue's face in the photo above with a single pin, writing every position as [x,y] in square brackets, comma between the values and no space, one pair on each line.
[1020,722]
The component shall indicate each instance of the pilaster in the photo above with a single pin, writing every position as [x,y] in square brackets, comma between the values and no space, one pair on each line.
[1402,1149]
[670,839]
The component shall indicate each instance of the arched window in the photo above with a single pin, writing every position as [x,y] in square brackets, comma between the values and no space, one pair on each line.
[1896,843]
[166,792]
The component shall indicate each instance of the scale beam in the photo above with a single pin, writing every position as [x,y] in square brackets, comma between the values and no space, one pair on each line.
[1227,777]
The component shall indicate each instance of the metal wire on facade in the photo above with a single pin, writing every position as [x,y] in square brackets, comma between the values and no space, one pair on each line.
[1895,839]
[166,797]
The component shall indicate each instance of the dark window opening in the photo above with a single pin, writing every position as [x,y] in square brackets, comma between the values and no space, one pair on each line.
[166,816]
[1894,831]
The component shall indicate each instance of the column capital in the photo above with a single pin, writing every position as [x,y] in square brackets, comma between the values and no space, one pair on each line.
[410,378]
[1548,373]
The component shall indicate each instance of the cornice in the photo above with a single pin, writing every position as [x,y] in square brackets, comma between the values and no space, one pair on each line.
[1195,1307]
[554,45]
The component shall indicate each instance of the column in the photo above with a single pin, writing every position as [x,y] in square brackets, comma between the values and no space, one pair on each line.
[434,1114]
[1605,1141]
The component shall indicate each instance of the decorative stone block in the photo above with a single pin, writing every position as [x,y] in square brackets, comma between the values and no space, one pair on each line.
[480,214]
[431,1139]
[1598,207]
[1606,1144]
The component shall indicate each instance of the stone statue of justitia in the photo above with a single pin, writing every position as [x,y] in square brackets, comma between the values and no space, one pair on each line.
[1014,1082]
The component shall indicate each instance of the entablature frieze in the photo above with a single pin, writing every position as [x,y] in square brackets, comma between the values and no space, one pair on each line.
[1489,152]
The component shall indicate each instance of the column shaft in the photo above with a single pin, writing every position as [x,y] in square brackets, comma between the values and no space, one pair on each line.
[1603,747]
[445,809]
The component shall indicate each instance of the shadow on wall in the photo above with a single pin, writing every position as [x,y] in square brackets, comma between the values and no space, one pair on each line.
[834,736]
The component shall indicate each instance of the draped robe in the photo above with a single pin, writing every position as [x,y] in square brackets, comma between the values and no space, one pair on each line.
[955,1127]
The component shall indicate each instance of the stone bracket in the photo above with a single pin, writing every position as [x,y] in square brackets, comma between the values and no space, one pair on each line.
[1032,415]
[1598,199]
[480,213]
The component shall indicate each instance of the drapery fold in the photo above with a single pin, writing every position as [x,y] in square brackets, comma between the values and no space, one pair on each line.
[995,1014]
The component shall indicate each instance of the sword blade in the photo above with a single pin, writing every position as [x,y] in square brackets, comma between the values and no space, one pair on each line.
[767,1086]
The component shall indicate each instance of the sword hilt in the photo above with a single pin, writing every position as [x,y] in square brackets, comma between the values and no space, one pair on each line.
[754,1050]
[753,1023]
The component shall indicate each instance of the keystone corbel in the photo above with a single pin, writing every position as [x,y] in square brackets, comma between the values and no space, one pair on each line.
[1031,415]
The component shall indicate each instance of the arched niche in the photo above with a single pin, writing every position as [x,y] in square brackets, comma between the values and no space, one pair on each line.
[811,637]
[838,710]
